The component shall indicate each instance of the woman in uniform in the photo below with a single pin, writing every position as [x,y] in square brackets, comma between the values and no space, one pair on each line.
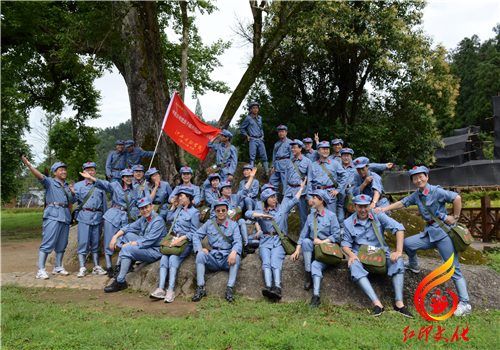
[186,175]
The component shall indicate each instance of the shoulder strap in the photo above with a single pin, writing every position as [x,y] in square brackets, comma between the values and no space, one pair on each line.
[315,227]
[173,222]
[221,233]
[436,219]
[255,121]
[225,155]
[280,146]
[85,199]
[128,205]
[144,231]
[298,171]
[120,157]
[375,228]
[329,175]
[65,193]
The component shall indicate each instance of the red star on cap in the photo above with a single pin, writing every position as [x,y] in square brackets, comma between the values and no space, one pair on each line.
[346,149]
[220,199]
[362,197]
[61,162]
[128,170]
[119,140]
[415,168]
[357,161]
[270,184]
[185,167]
[142,200]
[335,139]
[280,126]
[88,163]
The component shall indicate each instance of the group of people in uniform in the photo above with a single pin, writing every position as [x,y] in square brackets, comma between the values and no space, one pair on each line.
[340,200]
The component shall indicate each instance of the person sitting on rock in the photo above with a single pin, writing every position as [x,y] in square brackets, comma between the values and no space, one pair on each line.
[186,175]
[271,250]
[327,231]
[212,193]
[433,237]
[225,239]
[225,191]
[185,222]
[92,205]
[254,238]
[123,199]
[158,191]
[56,216]
[359,229]
[144,246]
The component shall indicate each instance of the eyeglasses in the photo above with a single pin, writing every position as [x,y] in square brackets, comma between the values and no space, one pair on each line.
[220,210]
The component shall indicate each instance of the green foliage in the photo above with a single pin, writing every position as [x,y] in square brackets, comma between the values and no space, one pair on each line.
[477,66]
[316,82]
[495,260]
[108,137]
[476,196]
[73,145]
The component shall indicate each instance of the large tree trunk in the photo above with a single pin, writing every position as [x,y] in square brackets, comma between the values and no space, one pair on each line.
[142,68]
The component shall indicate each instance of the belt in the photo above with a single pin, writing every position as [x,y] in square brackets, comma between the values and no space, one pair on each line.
[118,207]
[257,137]
[91,209]
[293,185]
[325,187]
[272,233]
[430,222]
[59,204]
[225,166]
[280,158]
[350,185]
[117,169]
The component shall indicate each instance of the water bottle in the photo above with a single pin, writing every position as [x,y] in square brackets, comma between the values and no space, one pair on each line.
[440,215]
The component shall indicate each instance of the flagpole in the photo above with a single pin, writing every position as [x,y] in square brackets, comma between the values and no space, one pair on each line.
[161,130]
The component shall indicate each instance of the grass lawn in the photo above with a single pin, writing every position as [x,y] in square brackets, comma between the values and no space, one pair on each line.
[20,223]
[30,322]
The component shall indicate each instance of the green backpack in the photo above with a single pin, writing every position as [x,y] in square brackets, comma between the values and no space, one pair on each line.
[328,253]
[373,258]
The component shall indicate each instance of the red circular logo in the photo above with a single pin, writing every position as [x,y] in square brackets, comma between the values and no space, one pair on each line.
[362,197]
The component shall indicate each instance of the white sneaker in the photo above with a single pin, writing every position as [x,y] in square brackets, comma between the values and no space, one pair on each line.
[60,271]
[158,294]
[42,274]
[98,270]
[463,309]
[170,296]
[82,272]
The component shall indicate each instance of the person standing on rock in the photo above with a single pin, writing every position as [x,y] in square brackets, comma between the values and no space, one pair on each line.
[224,237]
[116,162]
[227,155]
[123,199]
[433,198]
[185,222]
[297,168]
[134,155]
[158,191]
[282,152]
[186,175]
[255,137]
[144,246]
[271,251]
[92,205]
[56,216]
[364,229]
[327,231]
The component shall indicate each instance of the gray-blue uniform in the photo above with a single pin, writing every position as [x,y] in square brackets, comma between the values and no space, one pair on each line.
[134,157]
[116,216]
[358,232]
[185,221]
[248,202]
[150,231]
[137,187]
[312,154]
[376,183]
[282,152]
[89,218]
[327,227]
[162,193]
[258,205]
[434,236]
[56,217]
[116,162]
[333,156]
[321,179]
[292,183]
[196,189]
[217,258]
[253,123]
[231,160]
[271,250]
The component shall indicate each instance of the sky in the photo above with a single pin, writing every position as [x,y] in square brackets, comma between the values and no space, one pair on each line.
[447,22]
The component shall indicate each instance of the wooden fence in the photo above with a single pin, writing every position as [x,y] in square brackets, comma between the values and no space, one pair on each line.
[482,222]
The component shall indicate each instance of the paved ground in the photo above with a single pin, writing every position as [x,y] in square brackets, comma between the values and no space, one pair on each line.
[27,279]
[478,245]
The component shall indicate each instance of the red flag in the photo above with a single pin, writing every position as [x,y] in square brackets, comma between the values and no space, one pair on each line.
[186,130]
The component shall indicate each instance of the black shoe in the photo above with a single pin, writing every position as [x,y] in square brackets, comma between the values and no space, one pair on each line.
[266,292]
[116,287]
[377,311]
[275,293]
[200,293]
[254,245]
[315,301]
[403,311]
[229,294]
[111,274]
[117,269]
[248,249]
[309,281]
[265,176]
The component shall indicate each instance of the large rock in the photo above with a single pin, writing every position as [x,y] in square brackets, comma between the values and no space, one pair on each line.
[337,287]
